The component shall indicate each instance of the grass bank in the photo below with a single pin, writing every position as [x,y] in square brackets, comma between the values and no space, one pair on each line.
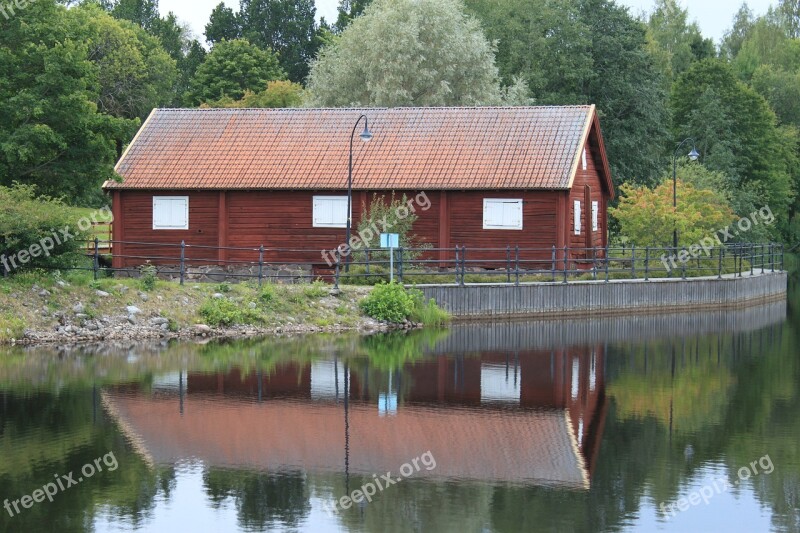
[51,307]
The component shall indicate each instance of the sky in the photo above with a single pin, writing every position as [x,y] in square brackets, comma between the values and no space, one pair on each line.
[713,16]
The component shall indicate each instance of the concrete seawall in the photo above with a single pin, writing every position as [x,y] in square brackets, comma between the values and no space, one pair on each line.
[477,301]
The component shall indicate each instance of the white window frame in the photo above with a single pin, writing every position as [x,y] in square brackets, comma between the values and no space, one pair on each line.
[577,214]
[334,224]
[583,160]
[158,199]
[519,204]
[595,214]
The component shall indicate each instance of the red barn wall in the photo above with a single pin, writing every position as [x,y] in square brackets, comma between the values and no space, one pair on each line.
[589,177]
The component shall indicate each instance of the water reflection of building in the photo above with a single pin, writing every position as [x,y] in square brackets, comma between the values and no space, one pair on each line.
[523,416]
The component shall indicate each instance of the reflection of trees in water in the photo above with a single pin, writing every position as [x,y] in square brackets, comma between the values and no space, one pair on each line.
[45,434]
[261,498]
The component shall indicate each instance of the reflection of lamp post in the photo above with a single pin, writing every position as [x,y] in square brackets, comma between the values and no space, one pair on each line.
[366,136]
[693,155]
[347,427]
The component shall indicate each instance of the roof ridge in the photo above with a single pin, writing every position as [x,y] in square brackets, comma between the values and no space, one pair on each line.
[345,109]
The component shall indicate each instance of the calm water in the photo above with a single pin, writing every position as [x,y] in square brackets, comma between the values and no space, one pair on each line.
[587,425]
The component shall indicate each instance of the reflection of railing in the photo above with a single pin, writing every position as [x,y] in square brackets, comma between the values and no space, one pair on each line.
[460,265]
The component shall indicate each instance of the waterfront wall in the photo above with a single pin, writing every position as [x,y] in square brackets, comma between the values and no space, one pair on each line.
[598,298]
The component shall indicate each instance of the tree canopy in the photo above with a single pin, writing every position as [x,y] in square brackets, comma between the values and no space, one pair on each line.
[231,68]
[407,53]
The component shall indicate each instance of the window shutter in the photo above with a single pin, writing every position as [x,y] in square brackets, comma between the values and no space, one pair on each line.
[329,211]
[577,217]
[583,159]
[595,211]
[170,212]
[502,213]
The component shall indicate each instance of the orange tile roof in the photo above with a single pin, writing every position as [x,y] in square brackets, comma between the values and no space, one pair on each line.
[525,446]
[412,148]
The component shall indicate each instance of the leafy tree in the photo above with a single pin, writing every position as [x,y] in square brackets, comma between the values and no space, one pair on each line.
[781,89]
[224,25]
[542,41]
[285,26]
[231,68]
[348,10]
[789,11]
[767,44]
[407,52]
[279,93]
[674,41]
[135,73]
[742,25]
[144,13]
[589,51]
[628,91]
[735,125]
[51,133]
[646,216]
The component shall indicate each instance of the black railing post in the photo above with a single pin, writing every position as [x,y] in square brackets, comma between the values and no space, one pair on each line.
[463,264]
[647,263]
[366,260]
[752,259]
[553,265]
[782,256]
[400,264]
[260,264]
[516,265]
[566,253]
[772,255]
[457,263]
[508,263]
[683,264]
[633,261]
[594,263]
[96,264]
[183,261]
[336,271]
[607,261]
[719,261]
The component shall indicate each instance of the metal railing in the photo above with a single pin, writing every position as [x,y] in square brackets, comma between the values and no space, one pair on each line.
[459,265]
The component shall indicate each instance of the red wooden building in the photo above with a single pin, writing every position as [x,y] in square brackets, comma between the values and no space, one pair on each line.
[533,177]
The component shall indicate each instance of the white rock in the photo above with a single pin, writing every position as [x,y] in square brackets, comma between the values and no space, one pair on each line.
[217,295]
[133,310]
[78,308]
[102,294]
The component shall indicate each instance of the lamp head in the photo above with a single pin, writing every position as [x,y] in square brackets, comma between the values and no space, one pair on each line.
[366,135]
[693,155]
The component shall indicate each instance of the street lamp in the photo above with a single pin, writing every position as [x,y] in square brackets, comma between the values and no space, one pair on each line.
[694,156]
[365,136]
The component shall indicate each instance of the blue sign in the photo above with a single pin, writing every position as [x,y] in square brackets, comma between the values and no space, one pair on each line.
[390,240]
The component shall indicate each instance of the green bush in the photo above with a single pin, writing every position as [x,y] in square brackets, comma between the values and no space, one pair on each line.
[147,277]
[388,301]
[316,290]
[11,327]
[428,313]
[31,230]
[267,294]
[224,312]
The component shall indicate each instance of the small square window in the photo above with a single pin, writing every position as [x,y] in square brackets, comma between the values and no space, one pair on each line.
[502,213]
[171,212]
[330,211]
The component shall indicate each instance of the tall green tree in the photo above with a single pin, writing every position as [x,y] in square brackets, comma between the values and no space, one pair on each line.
[674,42]
[734,38]
[750,147]
[589,51]
[348,10]
[287,27]
[135,73]
[231,68]
[223,25]
[51,133]
[404,53]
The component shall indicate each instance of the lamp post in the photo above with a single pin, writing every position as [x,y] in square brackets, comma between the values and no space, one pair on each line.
[693,155]
[365,136]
